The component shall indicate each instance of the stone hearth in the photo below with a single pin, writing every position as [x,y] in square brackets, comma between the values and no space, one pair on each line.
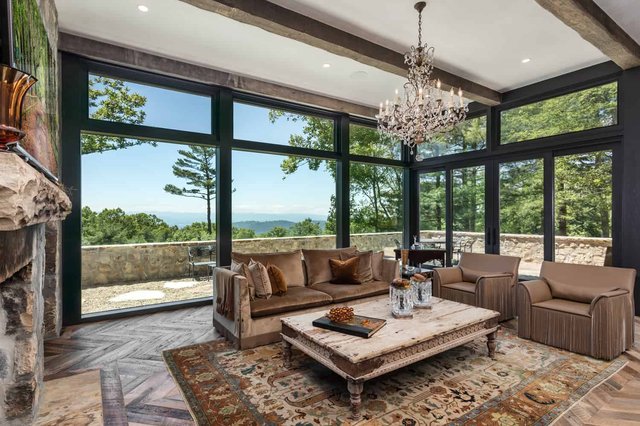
[29,206]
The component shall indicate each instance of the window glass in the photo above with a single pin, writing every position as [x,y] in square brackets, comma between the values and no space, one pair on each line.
[433,208]
[269,125]
[583,202]
[468,211]
[470,135]
[282,203]
[364,140]
[376,207]
[122,101]
[144,207]
[582,110]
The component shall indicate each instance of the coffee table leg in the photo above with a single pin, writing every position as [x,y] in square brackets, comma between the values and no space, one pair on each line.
[355,390]
[286,353]
[491,344]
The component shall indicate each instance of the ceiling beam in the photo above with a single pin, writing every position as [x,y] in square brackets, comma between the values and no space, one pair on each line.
[119,55]
[293,25]
[595,26]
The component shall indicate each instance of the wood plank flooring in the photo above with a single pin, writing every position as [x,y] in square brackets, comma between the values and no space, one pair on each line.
[130,350]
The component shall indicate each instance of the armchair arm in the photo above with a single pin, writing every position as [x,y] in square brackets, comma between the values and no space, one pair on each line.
[612,321]
[390,269]
[496,291]
[528,293]
[443,276]
[606,295]
[537,290]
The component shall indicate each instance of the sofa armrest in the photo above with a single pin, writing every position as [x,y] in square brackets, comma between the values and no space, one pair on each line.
[538,290]
[233,328]
[443,276]
[606,295]
[390,269]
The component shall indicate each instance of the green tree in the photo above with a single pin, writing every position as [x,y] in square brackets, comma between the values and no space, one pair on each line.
[276,232]
[197,231]
[111,100]
[114,226]
[304,228]
[197,167]
[242,233]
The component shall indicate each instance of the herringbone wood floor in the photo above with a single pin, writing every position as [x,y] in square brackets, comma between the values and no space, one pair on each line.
[130,349]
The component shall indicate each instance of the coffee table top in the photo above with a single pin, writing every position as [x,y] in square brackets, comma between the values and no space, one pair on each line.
[426,324]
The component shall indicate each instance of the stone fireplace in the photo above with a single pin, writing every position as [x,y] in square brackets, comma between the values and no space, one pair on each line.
[30,208]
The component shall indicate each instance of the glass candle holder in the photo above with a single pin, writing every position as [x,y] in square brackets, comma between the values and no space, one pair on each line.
[401,301]
[422,292]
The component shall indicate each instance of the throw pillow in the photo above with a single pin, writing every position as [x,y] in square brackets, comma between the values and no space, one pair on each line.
[260,279]
[242,269]
[345,271]
[377,265]
[365,271]
[278,280]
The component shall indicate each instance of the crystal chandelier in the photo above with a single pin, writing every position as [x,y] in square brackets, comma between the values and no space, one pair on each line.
[422,111]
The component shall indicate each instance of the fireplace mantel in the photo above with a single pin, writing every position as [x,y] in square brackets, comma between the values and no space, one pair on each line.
[26,196]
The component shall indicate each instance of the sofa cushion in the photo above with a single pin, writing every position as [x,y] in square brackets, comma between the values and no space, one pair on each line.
[278,280]
[344,292]
[261,279]
[345,271]
[289,262]
[365,271]
[295,299]
[243,269]
[317,263]
[567,306]
[377,262]
[467,287]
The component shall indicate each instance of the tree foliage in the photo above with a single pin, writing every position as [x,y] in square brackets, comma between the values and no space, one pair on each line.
[197,165]
[111,100]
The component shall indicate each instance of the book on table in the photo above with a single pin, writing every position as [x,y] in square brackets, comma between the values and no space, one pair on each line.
[360,326]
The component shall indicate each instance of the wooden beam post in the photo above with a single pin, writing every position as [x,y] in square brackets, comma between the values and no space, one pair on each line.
[287,23]
[595,26]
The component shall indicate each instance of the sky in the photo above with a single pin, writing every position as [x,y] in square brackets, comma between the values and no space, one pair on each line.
[133,178]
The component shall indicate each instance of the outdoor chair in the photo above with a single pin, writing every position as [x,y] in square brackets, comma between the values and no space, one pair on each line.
[202,257]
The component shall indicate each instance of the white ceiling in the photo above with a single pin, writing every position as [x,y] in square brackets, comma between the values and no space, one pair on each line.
[626,13]
[482,40]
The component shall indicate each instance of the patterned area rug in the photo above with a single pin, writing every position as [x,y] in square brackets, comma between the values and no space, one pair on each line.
[528,383]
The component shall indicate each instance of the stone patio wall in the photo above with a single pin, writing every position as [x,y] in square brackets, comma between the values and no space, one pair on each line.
[124,263]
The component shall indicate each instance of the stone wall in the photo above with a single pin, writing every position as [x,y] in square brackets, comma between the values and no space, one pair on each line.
[118,264]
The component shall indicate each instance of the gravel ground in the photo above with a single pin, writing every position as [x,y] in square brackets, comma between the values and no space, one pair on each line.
[100,299]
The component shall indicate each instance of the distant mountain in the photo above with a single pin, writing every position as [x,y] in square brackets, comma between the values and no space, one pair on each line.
[262,227]
[181,219]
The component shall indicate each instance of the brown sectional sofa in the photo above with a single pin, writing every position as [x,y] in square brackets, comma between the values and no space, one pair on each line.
[257,322]
[580,308]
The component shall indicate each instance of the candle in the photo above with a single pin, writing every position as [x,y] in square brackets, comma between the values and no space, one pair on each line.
[380,113]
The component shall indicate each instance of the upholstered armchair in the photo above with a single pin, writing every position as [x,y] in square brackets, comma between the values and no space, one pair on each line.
[484,280]
[580,308]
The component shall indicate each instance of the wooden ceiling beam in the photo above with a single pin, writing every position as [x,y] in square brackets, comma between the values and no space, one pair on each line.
[293,25]
[594,25]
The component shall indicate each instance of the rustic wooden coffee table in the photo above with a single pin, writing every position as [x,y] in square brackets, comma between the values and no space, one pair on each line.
[399,343]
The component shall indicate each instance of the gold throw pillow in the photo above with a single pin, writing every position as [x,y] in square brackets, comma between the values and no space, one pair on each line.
[278,280]
[345,271]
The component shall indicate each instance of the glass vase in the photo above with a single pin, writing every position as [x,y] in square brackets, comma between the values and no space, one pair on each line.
[422,291]
[401,302]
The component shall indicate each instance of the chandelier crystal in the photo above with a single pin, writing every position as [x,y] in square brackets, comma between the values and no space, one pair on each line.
[422,111]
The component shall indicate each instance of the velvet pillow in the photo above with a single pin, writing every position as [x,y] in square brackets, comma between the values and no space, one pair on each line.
[242,269]
[345,271]
[377,262]
[260,279]
[278,280]
[365,272]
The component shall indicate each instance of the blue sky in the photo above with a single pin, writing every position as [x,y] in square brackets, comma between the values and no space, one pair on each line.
[133,179]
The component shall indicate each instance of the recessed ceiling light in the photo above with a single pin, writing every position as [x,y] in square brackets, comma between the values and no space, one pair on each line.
[326,65]
[143,8]
[525,60]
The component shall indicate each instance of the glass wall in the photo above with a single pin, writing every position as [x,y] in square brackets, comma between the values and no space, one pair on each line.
[470,135]
[376,207]
[365,140]
[282,203]
[521,213]
[433,208]
[468,210]
[583,204]
[583,110]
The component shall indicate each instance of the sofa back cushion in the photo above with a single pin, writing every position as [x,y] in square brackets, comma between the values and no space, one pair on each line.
[583,283]
[289,262]
[478,263]
[365,270]
[317,263]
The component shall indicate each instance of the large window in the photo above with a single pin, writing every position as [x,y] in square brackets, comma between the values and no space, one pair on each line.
[470,135]
[433,208]
[281,203]
[522,213]
[376,206]
[364,140]
[468,210]
[269,125]
[583,203]
[583,110]
[121,101]
[143,207]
